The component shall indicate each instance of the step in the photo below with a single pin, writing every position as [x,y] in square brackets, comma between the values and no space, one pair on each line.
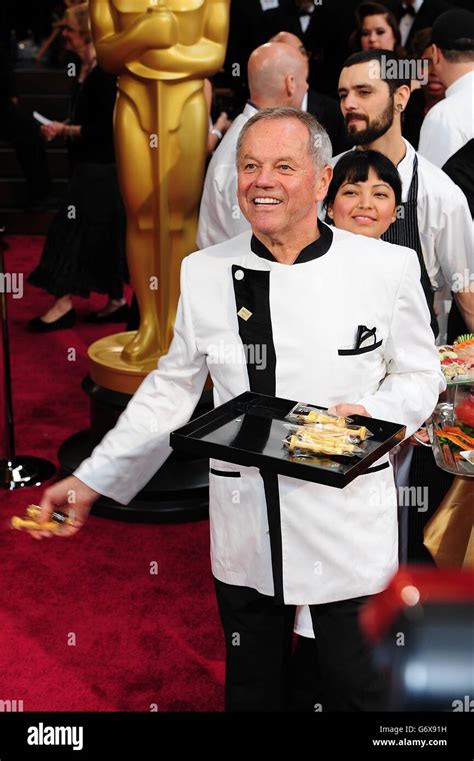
[58,163]
[13,192]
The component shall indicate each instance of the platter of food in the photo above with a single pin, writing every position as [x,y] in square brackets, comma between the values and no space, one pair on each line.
[290,438]
[453,433]
[457,360]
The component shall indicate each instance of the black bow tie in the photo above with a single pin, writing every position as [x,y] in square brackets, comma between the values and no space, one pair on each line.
[406,10]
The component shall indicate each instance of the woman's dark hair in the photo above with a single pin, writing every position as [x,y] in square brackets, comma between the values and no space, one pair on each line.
[354,166]
[375,9]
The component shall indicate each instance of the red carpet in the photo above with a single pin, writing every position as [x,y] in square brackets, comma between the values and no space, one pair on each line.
[84,626]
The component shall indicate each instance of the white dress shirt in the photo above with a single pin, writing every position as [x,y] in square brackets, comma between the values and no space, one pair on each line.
[220,217]
[407,20]
[449,125]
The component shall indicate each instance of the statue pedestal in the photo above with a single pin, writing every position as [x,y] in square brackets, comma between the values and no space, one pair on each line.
[178,492]
[108,368]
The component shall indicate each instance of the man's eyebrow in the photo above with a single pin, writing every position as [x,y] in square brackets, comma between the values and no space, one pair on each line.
[363,86]
[291,159]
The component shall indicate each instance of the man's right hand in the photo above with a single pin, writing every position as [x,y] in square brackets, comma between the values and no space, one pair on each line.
[70,496]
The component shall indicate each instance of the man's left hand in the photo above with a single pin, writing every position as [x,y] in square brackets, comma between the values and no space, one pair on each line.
[346,410]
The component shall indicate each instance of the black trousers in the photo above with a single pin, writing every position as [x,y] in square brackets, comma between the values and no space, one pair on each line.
[333,672]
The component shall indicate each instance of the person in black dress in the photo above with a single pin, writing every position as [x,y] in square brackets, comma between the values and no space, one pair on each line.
[85,246]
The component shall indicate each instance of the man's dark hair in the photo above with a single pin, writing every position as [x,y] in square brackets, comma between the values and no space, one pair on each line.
[354,166]
[465,55]
[453,34]
[394,70]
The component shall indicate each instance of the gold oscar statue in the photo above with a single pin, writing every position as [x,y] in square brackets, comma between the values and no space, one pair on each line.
[162,50]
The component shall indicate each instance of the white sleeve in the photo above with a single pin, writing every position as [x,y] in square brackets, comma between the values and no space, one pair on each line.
[220,217]
[409,392]
[454,240]
[131,453]
[439,138]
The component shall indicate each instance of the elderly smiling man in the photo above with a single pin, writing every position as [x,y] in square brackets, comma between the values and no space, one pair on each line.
[300,289]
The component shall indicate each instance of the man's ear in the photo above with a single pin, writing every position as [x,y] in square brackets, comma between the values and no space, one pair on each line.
[435,55]
[323,181]
[290,85]
[402,96]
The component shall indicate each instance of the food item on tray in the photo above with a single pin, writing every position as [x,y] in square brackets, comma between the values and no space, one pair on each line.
[313,446]
[313,459]
[457,361]
[314,431]
[304,414]
[319,443]
[31,521]
[360,433]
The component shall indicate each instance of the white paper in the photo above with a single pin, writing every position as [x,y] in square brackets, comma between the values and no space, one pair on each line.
[41,119]
[268,5]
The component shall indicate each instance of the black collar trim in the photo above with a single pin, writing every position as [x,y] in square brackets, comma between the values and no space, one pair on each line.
[314,250]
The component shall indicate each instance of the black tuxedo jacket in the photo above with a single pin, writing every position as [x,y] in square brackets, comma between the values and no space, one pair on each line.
[326,38]
[428,13]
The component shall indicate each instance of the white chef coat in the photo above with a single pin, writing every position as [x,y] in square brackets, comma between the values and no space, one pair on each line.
[449,125]
[335,544]
[220,217]
[444,222]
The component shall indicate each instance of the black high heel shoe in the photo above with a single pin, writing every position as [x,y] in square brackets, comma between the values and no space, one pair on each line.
[37,325]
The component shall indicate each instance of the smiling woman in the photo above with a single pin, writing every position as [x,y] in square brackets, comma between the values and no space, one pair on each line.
[364,193]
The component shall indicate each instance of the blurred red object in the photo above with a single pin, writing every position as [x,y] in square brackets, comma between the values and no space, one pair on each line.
[414,586]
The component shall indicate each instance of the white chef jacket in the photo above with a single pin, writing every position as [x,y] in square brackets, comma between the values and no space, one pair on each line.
[335,544]
[220,217]
[449,125]
[444,222]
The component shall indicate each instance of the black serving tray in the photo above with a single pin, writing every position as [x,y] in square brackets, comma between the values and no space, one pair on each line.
[249,430]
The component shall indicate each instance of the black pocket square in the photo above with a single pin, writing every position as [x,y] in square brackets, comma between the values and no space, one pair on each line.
[363,334]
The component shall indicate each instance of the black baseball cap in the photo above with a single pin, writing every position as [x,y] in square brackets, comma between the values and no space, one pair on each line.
[454,30]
